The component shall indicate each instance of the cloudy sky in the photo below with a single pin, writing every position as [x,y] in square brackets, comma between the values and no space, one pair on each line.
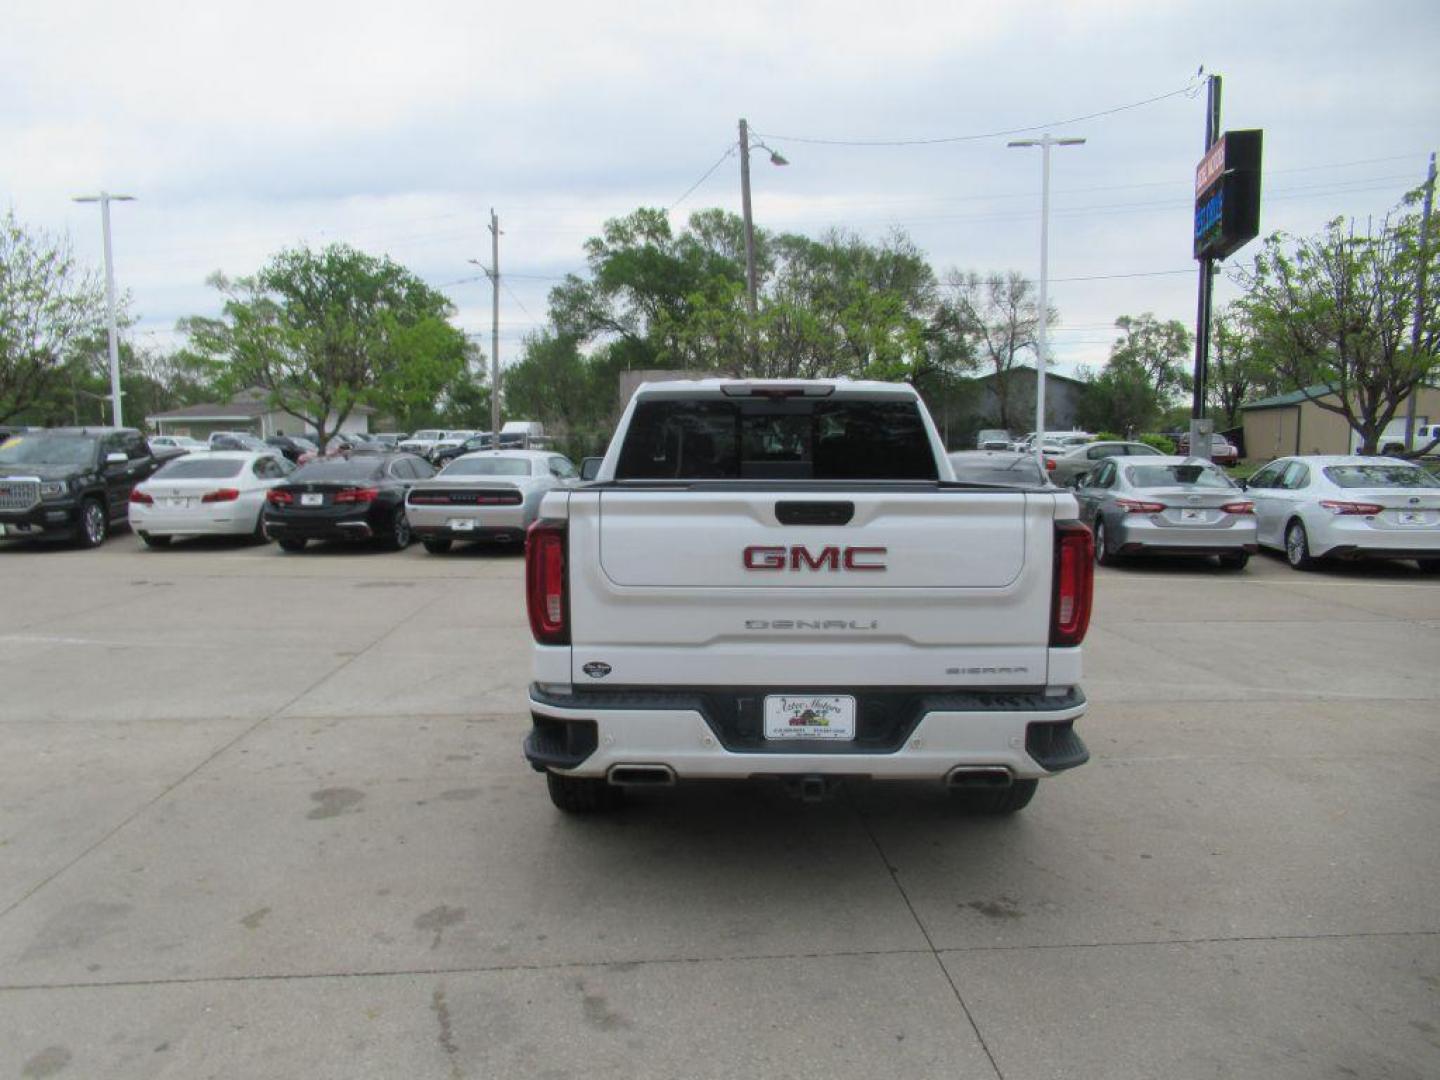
[242,128]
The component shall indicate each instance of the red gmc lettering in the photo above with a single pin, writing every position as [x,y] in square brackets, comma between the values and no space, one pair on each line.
[827,558]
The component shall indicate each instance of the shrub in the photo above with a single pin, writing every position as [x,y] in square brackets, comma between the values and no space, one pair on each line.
[1159,442]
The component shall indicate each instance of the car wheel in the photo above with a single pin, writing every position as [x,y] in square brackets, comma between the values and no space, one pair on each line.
[399,538]
[437,545]
[996,801]
[94,524]
[259,535]
[152,541]
[291,543]
[582,794]
[1103,555]
[1297,547]
[1235,561]
[1428,566]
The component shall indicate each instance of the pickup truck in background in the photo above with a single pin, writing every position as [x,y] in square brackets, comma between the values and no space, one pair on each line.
[784,579]
[71,482]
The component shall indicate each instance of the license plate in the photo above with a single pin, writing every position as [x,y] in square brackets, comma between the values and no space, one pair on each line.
[177,504]
[1412,517]
[462,524]
[312,500]
[1192,515]
[807,716]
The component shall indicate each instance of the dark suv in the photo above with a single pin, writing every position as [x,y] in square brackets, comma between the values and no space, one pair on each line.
[71,482]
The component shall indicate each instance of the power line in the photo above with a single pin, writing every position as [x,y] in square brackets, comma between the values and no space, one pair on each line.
[705,176]
[1189,89]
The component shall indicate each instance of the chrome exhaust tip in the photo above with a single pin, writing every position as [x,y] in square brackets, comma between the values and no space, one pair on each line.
[641,776]
[991,777]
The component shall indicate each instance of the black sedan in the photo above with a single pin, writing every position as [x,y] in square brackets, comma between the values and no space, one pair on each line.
[362,498]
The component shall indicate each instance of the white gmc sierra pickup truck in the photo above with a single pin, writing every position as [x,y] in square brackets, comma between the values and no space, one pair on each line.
[784,579]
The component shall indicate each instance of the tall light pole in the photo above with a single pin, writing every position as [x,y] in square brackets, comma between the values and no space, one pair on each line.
[1042,345]
[775,159]
[493,273]
[105,199]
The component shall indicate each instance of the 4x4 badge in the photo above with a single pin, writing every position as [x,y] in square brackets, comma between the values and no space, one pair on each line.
[597,669]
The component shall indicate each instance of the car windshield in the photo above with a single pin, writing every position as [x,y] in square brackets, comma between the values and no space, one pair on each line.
[193,468]
[786,439]
[365,468]
[1379,476]
[1162,476]
[1019,469]
[48,450]
[489,466]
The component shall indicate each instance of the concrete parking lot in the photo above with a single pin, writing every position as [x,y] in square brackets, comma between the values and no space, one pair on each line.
[265,815]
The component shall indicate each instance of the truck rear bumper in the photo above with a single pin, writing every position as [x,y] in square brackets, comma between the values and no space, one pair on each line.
[1028,735]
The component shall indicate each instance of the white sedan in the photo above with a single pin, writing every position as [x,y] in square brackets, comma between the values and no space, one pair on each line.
[216,493]
[1316,507]
[490,495]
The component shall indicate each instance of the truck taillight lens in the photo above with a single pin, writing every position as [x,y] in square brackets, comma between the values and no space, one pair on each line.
[545,593]
[141,497]
[223,495]
[1074,583]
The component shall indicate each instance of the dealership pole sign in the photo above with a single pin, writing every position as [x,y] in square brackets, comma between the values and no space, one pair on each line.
[1227,195]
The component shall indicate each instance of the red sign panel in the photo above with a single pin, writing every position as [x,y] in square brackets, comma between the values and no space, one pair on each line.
[1210,168]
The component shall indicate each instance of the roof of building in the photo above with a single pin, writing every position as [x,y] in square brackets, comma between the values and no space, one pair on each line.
[1025,368]
[245,406]
[1294,397]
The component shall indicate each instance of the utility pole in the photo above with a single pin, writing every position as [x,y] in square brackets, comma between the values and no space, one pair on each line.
[749,218]
[1042,344]
[1420,269]
[1200,443]
[493,273]
[105,199]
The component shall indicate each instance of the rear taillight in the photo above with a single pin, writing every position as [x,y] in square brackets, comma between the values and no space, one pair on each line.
[141,497]
[1136,506]
[1239,508]
[280,497]
[1049,464]
[1074,583]
[429,498]
[545,593]
[1336,506]
[222,495]
[357,495]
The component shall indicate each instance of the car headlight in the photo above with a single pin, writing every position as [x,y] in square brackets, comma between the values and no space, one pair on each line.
[53,489]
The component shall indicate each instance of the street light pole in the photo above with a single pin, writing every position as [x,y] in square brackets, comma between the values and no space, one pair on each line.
[775,159]
[1042,345]
[105,199]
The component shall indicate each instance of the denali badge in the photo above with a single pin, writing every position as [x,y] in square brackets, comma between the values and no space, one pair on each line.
[812,624]
[827,558]
[596,669]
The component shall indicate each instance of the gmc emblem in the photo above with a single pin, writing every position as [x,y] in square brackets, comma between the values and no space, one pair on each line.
[802,558]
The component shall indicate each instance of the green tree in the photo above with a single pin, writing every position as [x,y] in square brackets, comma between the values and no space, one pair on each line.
[1239,370]
[1121,398]
[1163,351]
[49,309]
[1335,310]
[323,332]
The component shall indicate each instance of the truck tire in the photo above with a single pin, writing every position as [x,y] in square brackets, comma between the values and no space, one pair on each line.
[154,541]
[94,524]
[582,794]
[999,801]
[437,545]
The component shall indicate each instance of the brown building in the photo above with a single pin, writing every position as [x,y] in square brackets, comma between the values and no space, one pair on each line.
[1293,424]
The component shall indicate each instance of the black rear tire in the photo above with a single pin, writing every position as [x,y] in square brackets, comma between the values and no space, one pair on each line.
[1237,561]
[154,541]
[437,545]
[291,543]
[1103,556]
[583,794]
[996,801]
[399,537]
[1297,547]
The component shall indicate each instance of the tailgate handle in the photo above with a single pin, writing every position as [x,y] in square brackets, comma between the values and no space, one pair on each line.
[814,513]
